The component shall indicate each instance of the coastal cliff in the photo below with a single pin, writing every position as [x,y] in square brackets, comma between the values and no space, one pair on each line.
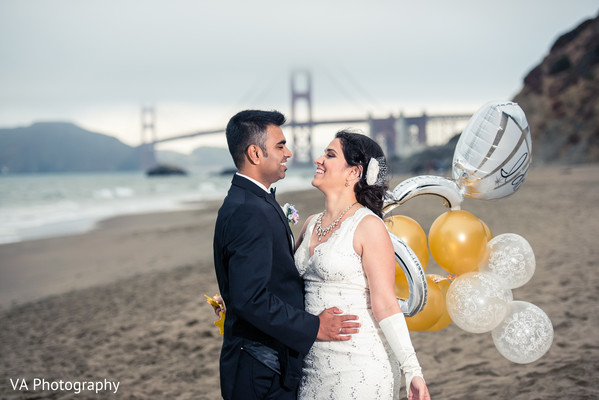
[561,99]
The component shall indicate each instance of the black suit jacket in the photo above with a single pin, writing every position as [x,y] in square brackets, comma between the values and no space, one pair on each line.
[258,280]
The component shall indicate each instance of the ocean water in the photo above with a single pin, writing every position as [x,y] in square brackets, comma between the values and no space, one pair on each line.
[35,206]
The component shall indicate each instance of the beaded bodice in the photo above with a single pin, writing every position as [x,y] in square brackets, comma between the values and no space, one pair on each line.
[333,275]
[360,368]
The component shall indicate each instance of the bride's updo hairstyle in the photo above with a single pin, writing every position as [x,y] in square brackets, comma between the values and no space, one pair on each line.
[358,149]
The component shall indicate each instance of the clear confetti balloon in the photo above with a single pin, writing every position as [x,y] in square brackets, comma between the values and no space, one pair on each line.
[511,259]
[477,302]
[525,335]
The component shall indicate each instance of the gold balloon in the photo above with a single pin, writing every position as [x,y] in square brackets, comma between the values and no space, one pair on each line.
[402,289]
[432,311]
[445,319]
[412,234]
[485,258]
[458,241]
[487,230]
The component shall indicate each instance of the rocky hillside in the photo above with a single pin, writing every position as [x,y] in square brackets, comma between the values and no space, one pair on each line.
[561,99]
[57,147]
[62,147]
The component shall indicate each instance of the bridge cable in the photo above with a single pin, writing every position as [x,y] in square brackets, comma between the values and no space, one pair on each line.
[251,97]
[360,88]
[244,99]
[344,91]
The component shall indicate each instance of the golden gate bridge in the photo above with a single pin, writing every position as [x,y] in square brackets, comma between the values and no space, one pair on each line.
[398,135]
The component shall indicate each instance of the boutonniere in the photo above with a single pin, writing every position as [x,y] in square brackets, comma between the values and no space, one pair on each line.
[291,213]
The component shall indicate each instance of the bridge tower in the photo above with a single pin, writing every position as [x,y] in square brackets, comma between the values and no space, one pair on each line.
[411,134]
[382,130]
[301,123]
[148,137]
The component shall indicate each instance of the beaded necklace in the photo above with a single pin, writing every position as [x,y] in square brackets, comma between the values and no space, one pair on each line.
[320,231]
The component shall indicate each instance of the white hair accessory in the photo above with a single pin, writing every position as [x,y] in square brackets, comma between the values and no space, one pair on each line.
[376,171]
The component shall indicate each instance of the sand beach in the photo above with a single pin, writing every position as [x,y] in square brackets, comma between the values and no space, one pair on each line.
[124,303]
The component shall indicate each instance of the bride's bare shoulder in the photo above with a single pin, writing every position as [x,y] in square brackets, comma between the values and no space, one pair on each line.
[372,225]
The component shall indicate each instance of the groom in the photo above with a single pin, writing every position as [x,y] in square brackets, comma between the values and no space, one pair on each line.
[267,332]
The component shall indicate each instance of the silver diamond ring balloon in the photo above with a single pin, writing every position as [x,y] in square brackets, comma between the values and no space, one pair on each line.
[490,161]
[409,263]
[493,154]
[448,190]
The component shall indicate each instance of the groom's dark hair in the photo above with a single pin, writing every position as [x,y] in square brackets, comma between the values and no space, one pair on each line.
[248,128]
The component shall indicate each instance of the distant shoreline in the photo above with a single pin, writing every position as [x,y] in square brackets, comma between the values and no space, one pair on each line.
[117,247]
[54,205]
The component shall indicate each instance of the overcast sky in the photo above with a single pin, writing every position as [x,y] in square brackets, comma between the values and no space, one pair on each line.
[96,63]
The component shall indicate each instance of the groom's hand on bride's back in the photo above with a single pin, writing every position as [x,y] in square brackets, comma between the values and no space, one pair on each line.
[334,325]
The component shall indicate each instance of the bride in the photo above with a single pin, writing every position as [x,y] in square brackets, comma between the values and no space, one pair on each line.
[346,259]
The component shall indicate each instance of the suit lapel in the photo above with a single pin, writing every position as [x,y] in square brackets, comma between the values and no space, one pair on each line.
[250,186]
[283,217]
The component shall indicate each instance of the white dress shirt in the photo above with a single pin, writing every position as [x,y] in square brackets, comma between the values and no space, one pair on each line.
[255,181]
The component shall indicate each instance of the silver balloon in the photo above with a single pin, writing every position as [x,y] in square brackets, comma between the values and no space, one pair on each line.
[511,259]
[411,266]
[493,154]
[445,188]
[525,334]
[476,302]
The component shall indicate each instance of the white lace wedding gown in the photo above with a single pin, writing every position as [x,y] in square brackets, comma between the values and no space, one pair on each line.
[363,367]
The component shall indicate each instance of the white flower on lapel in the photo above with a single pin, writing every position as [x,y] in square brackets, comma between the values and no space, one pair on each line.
[291,214]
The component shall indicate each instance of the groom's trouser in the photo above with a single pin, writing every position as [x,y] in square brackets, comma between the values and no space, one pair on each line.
[255,381]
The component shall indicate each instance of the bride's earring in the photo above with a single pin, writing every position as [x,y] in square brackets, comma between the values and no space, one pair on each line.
[346,183]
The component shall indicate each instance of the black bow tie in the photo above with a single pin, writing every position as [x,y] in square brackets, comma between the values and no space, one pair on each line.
[273,192]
